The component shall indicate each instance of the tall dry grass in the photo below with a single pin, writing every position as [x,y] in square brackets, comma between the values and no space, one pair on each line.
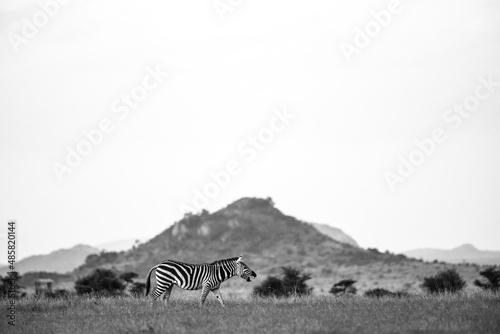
[461,313]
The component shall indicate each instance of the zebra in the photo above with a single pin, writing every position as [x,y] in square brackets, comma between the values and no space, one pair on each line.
[206,276]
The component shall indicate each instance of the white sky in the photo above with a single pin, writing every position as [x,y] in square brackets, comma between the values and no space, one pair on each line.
[351,123]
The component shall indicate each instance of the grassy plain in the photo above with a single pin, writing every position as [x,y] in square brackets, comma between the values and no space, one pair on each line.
[465,313]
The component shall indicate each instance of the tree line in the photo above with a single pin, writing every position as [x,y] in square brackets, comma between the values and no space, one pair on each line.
[292,282]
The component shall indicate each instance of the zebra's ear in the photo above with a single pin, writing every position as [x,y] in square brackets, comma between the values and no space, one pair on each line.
[239,259]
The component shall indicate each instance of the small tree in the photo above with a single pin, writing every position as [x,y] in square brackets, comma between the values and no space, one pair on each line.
[492,276]
[292,283]
[445,281]
[344,286]
[101,281]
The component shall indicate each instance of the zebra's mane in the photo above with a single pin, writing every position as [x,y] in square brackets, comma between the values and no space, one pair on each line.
[224,261]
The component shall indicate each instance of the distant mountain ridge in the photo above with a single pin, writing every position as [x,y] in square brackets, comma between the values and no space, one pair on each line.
[335,233]
[59,261]
[464,253]
[66,260]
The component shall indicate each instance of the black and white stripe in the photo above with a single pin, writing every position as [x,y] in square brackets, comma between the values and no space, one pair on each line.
[206,276]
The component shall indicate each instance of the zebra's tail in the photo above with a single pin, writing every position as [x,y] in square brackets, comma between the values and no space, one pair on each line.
[148,285]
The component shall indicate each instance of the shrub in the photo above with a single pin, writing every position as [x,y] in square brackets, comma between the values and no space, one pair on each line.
[5,284]
[344,286]
[58,294]
[445,281]
[101,282]
[380,292]
[128,277]
[292,283]
[271,287]
[492,276]
[137,289]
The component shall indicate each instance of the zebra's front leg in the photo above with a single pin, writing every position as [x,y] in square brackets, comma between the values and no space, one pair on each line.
[218,295]
[204,292]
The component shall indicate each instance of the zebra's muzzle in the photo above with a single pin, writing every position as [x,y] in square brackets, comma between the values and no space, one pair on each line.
[252,276]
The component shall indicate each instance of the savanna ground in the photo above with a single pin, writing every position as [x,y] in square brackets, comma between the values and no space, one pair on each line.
[461,313]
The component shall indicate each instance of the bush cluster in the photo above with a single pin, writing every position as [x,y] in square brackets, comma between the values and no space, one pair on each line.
[106,282]
[445,281]
[292,283]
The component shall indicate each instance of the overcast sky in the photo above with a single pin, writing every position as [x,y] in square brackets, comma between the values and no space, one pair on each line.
[296,100]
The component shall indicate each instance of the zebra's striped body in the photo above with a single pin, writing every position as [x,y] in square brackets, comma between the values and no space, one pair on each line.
[207,276]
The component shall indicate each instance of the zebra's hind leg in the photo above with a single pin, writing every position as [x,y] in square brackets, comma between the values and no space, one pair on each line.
[166,295]
[218,295]
[157,293]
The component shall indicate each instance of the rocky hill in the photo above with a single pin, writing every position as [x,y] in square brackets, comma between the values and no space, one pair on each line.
[268,240]
[250,226]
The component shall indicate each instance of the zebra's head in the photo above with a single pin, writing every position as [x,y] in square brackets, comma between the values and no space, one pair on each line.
[244,271]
